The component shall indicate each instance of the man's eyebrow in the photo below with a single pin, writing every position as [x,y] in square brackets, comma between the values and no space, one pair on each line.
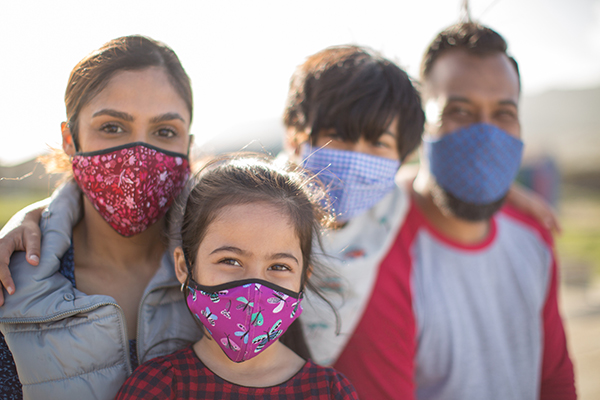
[459,98]
[508,103]
[114,113]
[167,117]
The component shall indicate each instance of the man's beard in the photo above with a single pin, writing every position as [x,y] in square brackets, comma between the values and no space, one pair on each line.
[448,203]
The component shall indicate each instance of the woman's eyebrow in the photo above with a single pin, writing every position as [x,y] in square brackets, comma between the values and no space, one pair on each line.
[167,117]
[114,113]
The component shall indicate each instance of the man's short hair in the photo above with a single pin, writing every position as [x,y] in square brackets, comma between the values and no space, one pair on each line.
[472,37]
[357,92]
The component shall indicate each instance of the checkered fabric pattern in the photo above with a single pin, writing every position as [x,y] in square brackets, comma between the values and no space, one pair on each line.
[355,181]
[476,164]
[182,375]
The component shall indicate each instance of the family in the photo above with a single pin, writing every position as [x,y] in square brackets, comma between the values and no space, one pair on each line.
[322,273]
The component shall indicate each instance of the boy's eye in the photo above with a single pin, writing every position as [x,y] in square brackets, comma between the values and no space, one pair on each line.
[332,136]
[111,128]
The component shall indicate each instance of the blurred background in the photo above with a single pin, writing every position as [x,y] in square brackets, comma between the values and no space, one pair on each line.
[240,56]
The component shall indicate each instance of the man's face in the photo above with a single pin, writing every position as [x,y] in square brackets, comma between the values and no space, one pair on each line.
[463,89]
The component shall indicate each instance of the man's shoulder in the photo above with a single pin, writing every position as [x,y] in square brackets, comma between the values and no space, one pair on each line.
[528,223]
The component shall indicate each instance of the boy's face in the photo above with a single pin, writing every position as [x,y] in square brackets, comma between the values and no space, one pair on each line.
[386,146]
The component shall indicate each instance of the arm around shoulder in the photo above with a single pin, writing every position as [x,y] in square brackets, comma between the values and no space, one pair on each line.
[21,233]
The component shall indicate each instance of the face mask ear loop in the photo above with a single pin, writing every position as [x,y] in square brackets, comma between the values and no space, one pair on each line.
[190,140]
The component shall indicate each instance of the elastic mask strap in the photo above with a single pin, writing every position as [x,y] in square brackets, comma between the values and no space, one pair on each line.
[190,140]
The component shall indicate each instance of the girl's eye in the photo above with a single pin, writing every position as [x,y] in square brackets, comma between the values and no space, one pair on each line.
[279,267]
[111,128]
[230,261]
[166,133]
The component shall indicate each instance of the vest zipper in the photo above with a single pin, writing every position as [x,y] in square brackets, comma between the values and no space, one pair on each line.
[139,322]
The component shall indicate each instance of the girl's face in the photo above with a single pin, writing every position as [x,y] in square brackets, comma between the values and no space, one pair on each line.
[135,106]
[250,241]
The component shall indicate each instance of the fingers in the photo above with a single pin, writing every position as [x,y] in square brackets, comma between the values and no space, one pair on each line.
[32,240]
[7,247]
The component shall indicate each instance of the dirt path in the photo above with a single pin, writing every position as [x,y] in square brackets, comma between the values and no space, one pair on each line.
[581,312]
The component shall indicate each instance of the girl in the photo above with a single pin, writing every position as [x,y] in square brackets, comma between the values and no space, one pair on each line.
[244,264]
[105,293]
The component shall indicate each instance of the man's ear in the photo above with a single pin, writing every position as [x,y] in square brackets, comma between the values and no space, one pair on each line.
[181,269]
[68,144]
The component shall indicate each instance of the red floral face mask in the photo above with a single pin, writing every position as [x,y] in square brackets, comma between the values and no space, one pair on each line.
[131,186]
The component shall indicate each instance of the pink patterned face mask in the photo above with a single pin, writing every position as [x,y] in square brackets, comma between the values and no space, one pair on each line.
[244,317]
[131,186]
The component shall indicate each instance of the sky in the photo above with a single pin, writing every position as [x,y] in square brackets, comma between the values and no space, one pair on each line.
[240,54]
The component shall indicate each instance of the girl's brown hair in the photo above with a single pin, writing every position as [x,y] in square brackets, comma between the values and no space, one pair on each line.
[244,178]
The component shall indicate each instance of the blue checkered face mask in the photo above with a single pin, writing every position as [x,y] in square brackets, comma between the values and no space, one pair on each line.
[354,181]
[477,164]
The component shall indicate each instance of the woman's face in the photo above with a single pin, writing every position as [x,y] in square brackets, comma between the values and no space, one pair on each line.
[135,106]
[250,241]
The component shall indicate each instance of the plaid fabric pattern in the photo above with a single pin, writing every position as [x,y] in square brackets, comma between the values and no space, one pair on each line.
[182,375]
[476,164]
[355,181]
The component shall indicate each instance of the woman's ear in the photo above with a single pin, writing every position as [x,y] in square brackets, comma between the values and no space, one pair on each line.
[181,269]
[68,144]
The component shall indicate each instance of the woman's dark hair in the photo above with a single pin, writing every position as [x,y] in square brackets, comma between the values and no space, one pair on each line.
[93,73]
[469,36]
[245,178]
[127,53]
[358,93]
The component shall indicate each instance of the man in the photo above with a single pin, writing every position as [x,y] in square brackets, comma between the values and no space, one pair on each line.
[475,284]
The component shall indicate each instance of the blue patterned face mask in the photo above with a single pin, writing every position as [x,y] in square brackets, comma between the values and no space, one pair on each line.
[354,181]
[477,164]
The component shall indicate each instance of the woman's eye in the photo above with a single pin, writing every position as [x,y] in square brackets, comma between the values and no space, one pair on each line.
[111,128]
[166,133]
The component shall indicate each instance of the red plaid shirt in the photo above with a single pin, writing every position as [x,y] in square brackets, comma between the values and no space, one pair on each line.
[182,375]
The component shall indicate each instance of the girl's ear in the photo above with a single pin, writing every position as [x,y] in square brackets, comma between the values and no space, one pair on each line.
[181,269]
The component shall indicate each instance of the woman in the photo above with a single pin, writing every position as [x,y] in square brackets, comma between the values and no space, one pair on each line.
[115,300]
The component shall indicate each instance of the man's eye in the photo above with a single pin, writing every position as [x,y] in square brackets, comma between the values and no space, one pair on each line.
[507,114]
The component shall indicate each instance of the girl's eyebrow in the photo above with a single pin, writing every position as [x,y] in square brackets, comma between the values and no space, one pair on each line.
[284,255]
[237,250]
[227,248]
